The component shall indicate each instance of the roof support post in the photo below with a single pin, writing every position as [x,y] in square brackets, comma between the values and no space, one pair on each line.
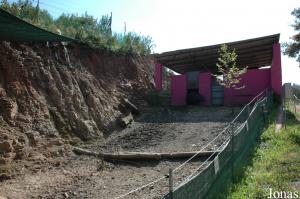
[276,73]
[158,76]
[205,80]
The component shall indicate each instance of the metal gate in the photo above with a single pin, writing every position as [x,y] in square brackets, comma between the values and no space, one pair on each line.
[217,95]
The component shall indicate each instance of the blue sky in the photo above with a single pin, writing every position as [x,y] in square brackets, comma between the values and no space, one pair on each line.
[177,24]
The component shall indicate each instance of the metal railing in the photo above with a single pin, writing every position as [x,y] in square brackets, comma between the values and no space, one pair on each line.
[232,129]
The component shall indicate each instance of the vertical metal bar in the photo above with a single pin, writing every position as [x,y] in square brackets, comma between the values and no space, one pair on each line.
[295,105]
[171,183]
[263,112]
[284,112]
[248,110]
[232,150]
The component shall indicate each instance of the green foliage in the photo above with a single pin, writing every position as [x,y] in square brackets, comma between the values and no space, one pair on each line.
[296,91]
[228,68]
[132,42]
[87,29]
[28,12]
[292,49]
[158,98]
[275,163]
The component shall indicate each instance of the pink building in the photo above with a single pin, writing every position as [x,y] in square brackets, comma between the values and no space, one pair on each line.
[195,66]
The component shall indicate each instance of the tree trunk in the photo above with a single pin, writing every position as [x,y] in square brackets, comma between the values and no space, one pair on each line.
[142,155]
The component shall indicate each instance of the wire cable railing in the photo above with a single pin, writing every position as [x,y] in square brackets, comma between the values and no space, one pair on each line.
[254,101]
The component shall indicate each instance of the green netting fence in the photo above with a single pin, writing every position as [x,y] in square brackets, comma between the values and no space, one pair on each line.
[222,168]
[13,28]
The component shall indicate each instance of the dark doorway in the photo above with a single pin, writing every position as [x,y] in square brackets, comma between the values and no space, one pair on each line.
[193,96]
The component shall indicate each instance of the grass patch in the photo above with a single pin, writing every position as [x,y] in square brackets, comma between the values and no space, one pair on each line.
[274,164]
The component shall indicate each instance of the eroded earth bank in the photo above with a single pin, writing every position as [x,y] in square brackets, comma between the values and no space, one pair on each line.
[52,99]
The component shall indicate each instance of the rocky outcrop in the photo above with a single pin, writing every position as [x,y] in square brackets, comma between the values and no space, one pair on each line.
[44,96]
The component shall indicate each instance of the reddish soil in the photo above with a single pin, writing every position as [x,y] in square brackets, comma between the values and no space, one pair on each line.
[48,104]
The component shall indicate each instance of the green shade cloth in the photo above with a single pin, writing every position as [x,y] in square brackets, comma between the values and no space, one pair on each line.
[216,177]
[13,28]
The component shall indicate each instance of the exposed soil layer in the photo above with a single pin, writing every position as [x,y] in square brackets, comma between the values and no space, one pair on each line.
[51,94]
[165,129]
[172,129]
[85,177]
[52,98]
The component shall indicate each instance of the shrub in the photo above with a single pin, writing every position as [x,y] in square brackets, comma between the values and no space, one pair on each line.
[87,29]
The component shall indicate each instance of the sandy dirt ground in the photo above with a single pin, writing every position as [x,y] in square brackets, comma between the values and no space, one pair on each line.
[156,130]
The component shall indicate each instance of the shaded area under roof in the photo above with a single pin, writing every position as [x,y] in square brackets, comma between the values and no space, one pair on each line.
[13,28]
[254,53]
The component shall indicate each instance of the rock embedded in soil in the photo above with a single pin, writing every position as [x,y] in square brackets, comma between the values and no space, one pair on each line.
[33,137]
[6,147]
[126,121]
[42,97]
[87,129]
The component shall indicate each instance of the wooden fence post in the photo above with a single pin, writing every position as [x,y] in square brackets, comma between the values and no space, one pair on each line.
[171,183]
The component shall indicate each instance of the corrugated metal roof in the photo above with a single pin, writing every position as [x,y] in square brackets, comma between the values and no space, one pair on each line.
[253,53]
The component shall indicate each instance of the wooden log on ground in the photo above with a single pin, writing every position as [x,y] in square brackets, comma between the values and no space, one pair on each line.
[131,106]
[187,154]
[82,151]
[132,156]
[143,156]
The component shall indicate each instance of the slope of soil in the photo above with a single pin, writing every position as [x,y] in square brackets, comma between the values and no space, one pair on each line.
[52,95]
[182,129]
[51,98]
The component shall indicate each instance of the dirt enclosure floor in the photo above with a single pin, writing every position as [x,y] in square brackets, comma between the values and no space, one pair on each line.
[155,130]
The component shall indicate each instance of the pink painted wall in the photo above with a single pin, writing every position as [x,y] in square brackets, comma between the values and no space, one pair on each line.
[254,80]
[158,76]
[178,90]
[276,77]
[205,87]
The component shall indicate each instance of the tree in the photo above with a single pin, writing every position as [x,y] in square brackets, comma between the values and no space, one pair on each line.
[105,24]
[97,33]
[228,68]
[292,49]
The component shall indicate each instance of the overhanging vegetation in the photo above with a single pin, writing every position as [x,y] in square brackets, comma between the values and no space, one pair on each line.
[87,29]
